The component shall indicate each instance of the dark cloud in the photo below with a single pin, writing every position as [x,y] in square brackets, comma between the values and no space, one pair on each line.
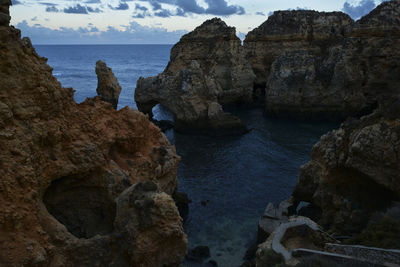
[52,9]
[221,7]
[140,12]
[93,2]
[79,9]
[190,6]
[134,33]
[34,19]
[93,10]
[139,7]
[155,5]
[48,4]
[357,11]
[16,2]
[164,13]
[184,7]
[260,13]
[121,6]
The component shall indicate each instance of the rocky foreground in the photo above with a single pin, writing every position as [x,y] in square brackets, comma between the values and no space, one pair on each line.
[80,184]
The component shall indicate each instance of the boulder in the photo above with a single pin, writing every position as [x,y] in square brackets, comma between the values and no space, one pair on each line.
[207,69]
[108,87]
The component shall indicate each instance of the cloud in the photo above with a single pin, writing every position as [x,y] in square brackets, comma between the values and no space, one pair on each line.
[134,33]
[121,6]
[221,7]
[357,11]
[184,7]
[260,13]
[16,2]
[140,12]
[52,9]
[93,2]
[164,13]
[78,9]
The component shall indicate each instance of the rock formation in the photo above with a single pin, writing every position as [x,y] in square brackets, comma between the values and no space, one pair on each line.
[207,69]
[324,65]
[354,173]
[80,184]
[4,12]
[108,87]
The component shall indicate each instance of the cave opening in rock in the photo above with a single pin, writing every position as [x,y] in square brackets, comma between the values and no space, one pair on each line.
[82,204]
[259,92]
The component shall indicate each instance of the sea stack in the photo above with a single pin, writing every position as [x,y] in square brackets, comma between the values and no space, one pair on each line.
[108,87]
[207,69]
[5,12]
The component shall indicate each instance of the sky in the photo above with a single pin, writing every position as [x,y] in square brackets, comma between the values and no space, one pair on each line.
[152,21]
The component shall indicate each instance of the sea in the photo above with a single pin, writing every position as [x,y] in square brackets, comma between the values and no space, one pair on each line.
[229,180]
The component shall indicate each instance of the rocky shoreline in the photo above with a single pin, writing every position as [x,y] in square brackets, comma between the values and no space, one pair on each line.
[87,185]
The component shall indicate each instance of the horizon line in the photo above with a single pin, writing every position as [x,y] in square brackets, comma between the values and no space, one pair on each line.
[101,44]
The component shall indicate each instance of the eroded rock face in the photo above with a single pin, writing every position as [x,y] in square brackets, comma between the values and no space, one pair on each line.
[207,69]
[324,65]
[108,87]
[354,171]
[4,12]
[72,175]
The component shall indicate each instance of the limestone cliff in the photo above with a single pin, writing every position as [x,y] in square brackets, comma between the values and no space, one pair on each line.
[108,87]
[354,172]
[80,184]
[207,69]
[324,65]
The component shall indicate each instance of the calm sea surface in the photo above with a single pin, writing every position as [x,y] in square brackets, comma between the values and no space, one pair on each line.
[235,176]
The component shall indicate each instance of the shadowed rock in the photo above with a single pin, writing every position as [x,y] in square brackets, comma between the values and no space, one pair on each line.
[5,12]
[323,65]
[207,69]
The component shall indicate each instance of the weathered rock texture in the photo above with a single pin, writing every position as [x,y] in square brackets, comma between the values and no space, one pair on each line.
[4,12]
[80,184]
[324,65]
[207,69]
[108,87]
[354,173]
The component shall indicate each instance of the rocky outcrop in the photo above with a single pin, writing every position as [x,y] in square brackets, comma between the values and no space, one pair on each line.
[353,175]
[207,69]
[108,87]
[4,12]
[324,65]
[80,184]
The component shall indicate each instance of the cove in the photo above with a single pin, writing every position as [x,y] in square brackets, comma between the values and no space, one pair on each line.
[231,179]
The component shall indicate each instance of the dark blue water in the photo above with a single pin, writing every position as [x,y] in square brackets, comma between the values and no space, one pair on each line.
[236,176]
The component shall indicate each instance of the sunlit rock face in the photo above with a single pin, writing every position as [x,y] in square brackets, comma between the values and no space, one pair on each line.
[324,65]
[80,184]
[207,69]
[108,87]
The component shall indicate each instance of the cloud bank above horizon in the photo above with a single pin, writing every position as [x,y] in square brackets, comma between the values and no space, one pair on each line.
[151,21]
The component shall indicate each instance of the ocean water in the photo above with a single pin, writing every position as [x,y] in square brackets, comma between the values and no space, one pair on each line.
[230,180]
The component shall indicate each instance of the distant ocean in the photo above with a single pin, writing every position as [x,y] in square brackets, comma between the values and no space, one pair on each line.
[236,176]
